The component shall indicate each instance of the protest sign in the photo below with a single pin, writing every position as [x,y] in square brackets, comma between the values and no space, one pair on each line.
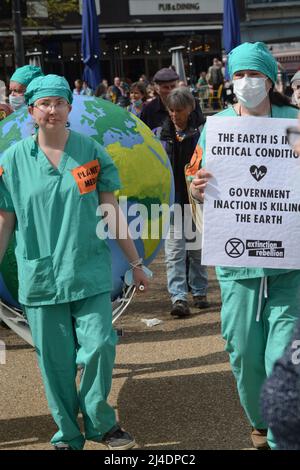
[252,202]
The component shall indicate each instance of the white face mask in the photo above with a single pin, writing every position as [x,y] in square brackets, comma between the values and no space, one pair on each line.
[250,91]
[16,101]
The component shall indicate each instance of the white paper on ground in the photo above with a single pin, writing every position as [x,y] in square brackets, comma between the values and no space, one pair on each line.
[151,321]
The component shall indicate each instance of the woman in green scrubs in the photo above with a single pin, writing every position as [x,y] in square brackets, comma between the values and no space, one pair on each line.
[256,327]
[50,187]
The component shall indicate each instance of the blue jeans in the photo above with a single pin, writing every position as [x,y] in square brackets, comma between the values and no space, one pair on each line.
[184,267]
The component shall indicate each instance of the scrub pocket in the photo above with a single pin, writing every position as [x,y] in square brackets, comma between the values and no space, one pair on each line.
[36,280]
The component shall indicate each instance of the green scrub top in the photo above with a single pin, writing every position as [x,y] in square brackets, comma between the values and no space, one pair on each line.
[60,258]
[224,273]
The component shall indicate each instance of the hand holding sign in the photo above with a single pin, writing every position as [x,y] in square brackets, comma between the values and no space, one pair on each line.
[199,184]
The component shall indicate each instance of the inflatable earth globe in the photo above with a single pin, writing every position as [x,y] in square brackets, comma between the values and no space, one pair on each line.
[144,170]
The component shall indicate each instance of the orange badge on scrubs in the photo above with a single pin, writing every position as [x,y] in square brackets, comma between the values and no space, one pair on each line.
[86,176]
[1,170]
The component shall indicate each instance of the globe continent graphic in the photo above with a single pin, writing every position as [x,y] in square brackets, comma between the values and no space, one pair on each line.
[144,169]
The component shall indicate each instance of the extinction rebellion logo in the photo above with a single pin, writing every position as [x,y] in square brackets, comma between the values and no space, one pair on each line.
[234,248]
[259,248]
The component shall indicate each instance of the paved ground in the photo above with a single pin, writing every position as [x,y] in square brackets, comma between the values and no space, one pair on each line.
[172,385]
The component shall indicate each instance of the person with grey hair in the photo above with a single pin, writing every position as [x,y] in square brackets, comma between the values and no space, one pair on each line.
[180,98]
[295,84]
[179,134]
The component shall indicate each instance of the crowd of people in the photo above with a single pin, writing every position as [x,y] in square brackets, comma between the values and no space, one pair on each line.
[69,309]
[213,89]
[124,93]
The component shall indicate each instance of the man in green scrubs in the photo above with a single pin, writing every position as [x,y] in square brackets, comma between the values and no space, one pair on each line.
[259,306]
[50,187]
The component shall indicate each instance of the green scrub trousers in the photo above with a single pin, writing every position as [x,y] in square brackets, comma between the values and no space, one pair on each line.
[70,334]
[254,346]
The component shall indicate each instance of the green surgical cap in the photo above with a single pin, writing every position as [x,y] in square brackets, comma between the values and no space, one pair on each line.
[252,56]
[49,85]
[25,74]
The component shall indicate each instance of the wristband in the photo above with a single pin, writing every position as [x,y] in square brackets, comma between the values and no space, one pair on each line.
[136,263]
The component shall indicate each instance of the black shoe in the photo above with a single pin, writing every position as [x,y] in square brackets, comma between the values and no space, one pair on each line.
[180,309]
[117,439]
[200,301]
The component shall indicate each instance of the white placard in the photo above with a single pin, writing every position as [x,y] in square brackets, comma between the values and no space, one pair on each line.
[252,202]
[157,7]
